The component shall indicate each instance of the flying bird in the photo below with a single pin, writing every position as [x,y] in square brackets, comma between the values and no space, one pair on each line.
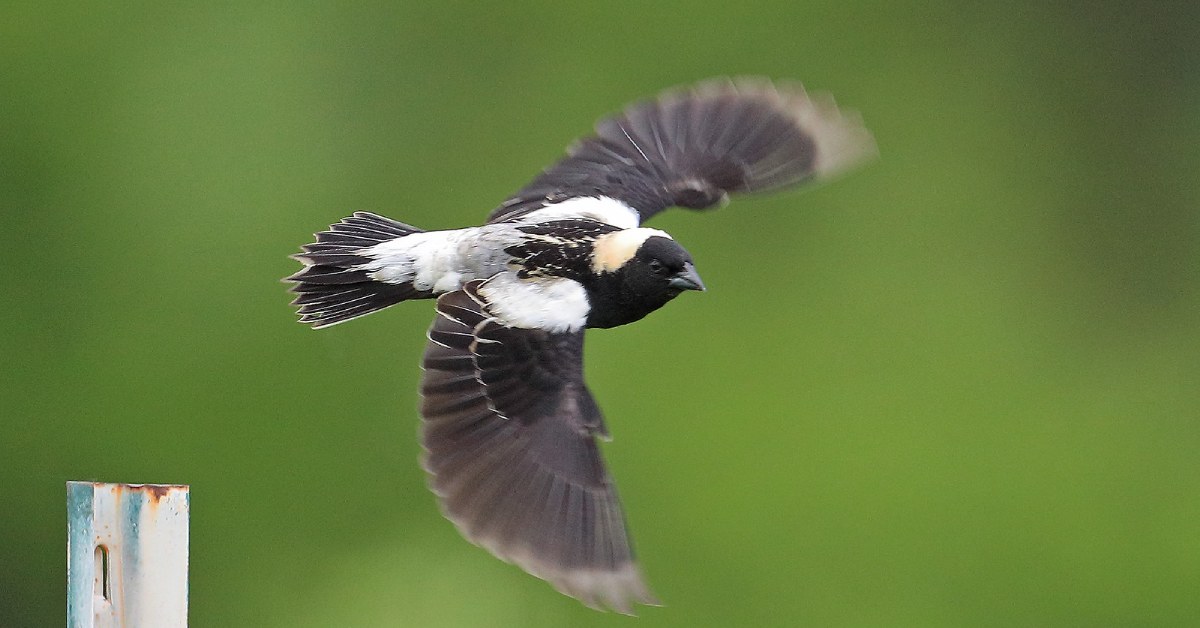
[509,428]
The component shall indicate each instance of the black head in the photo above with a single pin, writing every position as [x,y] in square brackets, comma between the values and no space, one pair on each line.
[632,282]
[661,267]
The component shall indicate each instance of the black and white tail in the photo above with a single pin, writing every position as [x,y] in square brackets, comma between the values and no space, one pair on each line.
[334,285]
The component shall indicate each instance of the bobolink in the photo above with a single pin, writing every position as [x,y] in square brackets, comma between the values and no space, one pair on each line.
[509,427]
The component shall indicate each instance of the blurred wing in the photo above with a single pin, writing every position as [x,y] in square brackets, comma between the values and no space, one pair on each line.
[693,147]
[510,439]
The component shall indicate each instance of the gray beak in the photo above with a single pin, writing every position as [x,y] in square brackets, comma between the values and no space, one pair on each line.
[687,279]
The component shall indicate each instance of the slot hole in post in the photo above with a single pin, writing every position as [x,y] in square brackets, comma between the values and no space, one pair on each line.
[102,588]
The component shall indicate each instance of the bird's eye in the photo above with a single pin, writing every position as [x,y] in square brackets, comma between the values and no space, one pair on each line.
[657,267]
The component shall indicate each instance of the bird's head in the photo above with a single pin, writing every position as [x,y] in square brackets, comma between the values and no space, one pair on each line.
[638,271]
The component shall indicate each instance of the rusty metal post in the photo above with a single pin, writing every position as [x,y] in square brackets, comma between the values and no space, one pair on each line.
[127,555]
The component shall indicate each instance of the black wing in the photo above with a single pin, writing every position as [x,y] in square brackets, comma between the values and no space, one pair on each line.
[510,439]
[692,148]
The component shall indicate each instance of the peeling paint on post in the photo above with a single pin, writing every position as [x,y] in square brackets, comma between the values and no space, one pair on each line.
[127,555]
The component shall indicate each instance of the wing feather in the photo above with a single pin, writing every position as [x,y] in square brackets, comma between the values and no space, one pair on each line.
[694,147]
[509,433]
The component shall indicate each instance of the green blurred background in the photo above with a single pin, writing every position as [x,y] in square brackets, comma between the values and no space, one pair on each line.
[960,387]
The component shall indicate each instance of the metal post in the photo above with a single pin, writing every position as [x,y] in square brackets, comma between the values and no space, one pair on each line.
[127,555]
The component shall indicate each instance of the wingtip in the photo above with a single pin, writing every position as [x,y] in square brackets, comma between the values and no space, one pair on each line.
[844,144]
[842,140]
[617,590]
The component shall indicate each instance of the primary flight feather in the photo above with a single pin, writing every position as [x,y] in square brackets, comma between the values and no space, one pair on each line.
[509,427]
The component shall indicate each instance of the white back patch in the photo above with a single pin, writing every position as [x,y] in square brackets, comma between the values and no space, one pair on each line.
[553,304]
[612,250]
[440,261]
[598,208]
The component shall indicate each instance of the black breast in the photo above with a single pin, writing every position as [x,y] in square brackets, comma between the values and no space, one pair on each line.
[612,303]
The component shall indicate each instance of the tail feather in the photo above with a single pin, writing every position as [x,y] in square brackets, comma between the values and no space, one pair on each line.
[353,233]
[322,305]
[334,285]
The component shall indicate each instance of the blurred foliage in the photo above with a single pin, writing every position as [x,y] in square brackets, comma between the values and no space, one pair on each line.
[960,387]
